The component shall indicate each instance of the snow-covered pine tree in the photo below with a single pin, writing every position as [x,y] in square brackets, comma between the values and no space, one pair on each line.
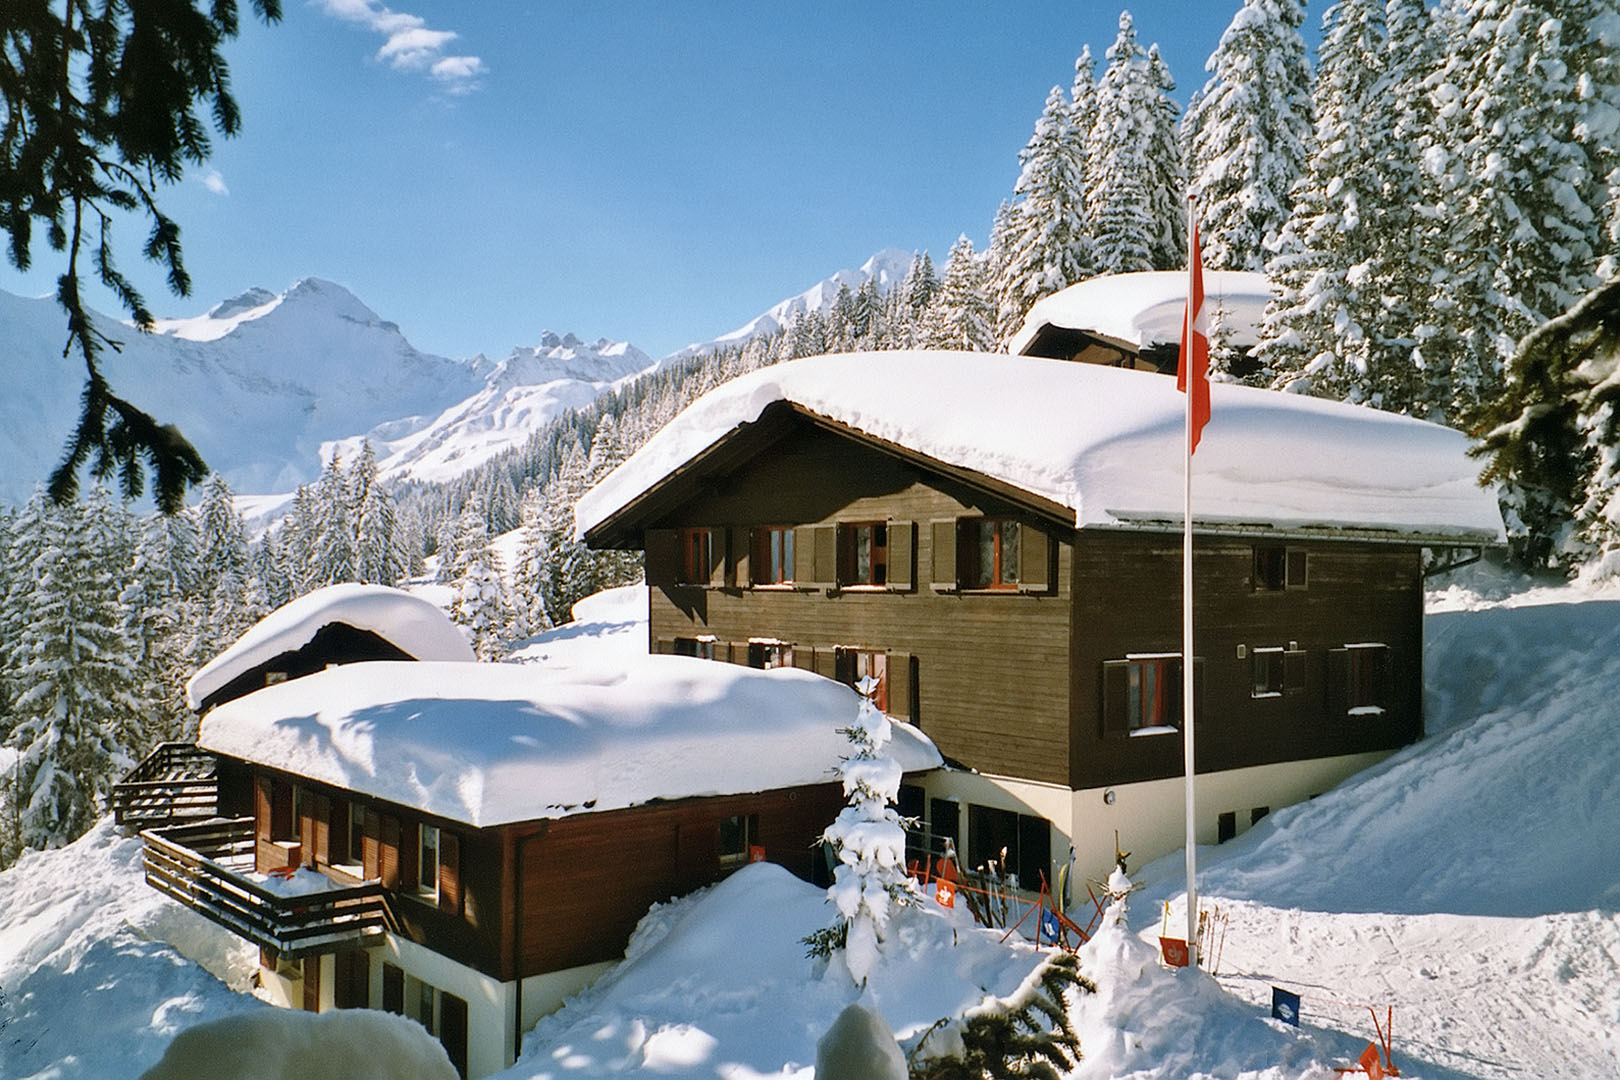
[529,612]
[229,606]
[1122,224]
[158,616]
[296,543]
[962,315]
[1320,327]
[1247,133]
[868,839]
[480,602]
[1167,170]
[920,285]
[1027,1034]
[334,527]
[379,556]
[77,704]
[1083,123]
[1525,225]
[1042,245]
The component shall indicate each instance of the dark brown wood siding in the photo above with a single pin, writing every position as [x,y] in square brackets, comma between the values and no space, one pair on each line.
[1130,602]
[587,880]
[986,664]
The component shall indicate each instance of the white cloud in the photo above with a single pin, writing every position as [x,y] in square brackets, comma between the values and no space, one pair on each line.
[409,44]
[213,181]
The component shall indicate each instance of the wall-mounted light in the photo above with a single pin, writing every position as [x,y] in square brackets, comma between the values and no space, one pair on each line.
[1243,650]
[1108,797]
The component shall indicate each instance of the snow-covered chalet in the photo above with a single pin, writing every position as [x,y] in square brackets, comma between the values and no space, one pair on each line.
[400,827]
[997,540]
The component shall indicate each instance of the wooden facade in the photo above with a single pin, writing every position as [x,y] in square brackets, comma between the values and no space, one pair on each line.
[1030,680]
[512,901]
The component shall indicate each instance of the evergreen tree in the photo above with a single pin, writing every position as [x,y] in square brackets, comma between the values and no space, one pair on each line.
[334,528]
[961,316]
[480,602]
[1248,133]
[1042,245]
[919,287]
[77,705]
[1123,227]
[229,604]
[1027,1034]
[1083,123]
[1167,170]
[529,612]
[869,841]
[380,556]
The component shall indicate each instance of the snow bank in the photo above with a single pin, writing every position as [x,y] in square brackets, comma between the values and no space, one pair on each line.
[1107,443]
[94,975]
[488,744]
[287,1044]
[1147,308]
[410,622]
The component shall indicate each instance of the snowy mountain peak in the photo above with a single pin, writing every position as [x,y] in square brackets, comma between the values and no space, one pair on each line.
[566,357]
[241,303]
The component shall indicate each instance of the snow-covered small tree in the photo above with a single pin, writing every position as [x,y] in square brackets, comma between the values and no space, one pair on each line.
[480,602]
[379,555]
[962,316]
[1027,1035]
[868,839]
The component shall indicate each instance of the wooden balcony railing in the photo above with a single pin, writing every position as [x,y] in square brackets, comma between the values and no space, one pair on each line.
[205,867]
[176,782]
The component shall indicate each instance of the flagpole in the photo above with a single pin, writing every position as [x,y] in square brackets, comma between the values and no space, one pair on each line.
[1187,673]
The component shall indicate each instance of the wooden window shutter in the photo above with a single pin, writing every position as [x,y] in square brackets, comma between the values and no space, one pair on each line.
[717,558]
[312,984]
[1338,682]
[410,839]
[388,859]
[804,555]
[902,691]
[1116,691]
[1294,568]
[826,662]
[741,553]
[321,818]
[902,556]
[1034,559]
[1294,671]
[944,555]
[449,872]
[663,556]
[306,827]
[664,645]
[804,657]
[372,828]
[825,540]
[261,808]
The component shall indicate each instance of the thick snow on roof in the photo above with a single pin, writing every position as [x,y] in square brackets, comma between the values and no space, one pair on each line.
[1146,308]
[410,622]
[490,744]
[1106,443]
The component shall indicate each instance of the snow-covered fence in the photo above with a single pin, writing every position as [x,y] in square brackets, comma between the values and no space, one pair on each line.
[175,782]
[204,867]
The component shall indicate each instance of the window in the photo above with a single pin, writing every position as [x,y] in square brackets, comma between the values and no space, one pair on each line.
[770,654]
[1367,679]
[771,561]
[427,862]
[393,989]
[1019,844]
[863,554]
[697,556]
[1154,692]
[357,834]
[700,647]
[1277,567]
[990,553]
[738,837]
[1226,826]
[1142,694]
[1268,673]
[852,665]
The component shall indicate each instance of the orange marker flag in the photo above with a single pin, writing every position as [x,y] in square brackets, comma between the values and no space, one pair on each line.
[1192,374]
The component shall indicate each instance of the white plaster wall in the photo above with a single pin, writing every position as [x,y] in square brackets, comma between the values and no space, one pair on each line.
[489,1001]
[544,994]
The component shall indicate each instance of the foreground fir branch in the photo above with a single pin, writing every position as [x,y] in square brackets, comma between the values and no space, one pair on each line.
[1025,1036]
[99,106]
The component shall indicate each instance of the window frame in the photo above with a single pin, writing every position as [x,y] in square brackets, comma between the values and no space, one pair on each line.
[764,649]
[851,546]
[1279,568]
[1366,679]
[971,535]
[770,556]
[1168,711]
[696,558]
[737,854]
[852,663]
[1276,671]
[422,888]
[701,647]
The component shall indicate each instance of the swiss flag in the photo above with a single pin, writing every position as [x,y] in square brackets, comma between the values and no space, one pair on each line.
[1192,374]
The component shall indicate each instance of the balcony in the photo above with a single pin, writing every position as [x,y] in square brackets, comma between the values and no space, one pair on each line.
[206,867]
[175,783]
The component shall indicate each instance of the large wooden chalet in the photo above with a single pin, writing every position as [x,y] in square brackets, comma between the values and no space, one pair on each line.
[468,843]
[997,540]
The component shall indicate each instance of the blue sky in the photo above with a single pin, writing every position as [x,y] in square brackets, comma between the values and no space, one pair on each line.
[651,172]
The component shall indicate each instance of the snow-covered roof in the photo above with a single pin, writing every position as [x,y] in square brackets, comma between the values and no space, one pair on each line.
[491,744]
[1107,444]
[409,622]
[1145,308]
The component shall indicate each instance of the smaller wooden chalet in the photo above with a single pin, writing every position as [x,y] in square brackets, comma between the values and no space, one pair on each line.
[1134,320]
[997,540]
[468,843]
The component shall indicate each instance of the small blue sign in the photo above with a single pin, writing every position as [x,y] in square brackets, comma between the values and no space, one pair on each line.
[1051,929]
[1285,1006]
